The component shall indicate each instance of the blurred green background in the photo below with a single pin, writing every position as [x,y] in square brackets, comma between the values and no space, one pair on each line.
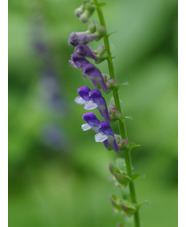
[58,175]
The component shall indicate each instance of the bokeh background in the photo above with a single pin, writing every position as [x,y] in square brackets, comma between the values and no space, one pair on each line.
[58,175]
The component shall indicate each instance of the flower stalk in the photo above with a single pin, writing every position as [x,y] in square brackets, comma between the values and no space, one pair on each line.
[122,124]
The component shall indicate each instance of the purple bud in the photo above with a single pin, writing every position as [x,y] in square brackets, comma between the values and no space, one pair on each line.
[96,96]
[77,38]
[85,51]
[105,128]
[93,73]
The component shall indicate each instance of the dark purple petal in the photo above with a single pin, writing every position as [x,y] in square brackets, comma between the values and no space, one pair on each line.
[78,61]
[84,92]
[93,73]
[91,119]
[85,51]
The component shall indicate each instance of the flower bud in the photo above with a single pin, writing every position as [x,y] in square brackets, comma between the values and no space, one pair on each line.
[77,38]
[100,32]
[85,11]
[91,28]
[79,11]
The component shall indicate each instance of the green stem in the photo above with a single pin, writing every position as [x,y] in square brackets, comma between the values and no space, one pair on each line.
[122,125]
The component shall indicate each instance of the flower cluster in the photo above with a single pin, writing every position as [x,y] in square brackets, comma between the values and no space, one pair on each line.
[93,99]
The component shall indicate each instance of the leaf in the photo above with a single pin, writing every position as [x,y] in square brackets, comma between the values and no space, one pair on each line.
[137,176]
[132,145]
[144,203]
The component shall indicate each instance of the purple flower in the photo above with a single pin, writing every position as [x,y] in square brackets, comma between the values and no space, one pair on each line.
[89,71]
[105,129]
[97,98]
[93,73]
[77,38]
[85,51]
[93,122]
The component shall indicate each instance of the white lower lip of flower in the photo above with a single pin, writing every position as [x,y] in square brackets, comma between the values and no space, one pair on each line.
[90,105]
[80,100]
[85,127]
[100,137]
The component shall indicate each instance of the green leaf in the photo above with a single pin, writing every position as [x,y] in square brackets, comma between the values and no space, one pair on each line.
[132,145]
[144,203]
[137,176]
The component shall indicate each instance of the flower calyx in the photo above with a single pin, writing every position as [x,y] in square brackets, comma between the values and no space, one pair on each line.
[114,113]
[112,84]
[123,206]
[101,54]
[121,177]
